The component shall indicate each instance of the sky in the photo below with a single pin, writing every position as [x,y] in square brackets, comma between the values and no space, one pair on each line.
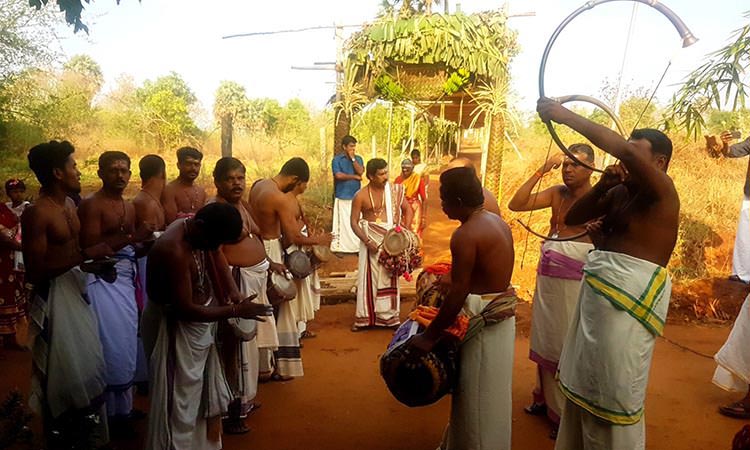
[150,38]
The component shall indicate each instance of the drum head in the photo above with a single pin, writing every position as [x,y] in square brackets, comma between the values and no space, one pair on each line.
[395,242]
[321,253]
[244,329]
[299,264]
[283,286]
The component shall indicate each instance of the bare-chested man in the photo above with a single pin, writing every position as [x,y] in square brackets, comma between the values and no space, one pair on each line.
[625,291]
[189,392]
[68,376]
[276,217]
[183,197]
[308,288]
[107,217]
[481,268]
[148,210]
[377,208]
[490,201]
[249,264]
[558,275]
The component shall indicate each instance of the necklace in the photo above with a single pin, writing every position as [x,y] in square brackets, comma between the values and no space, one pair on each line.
[377,211]
[122,216]
[192,198]
[199,258]
[158,202]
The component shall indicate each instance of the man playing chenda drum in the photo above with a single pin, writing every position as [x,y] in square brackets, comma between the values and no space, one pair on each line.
[377,208]
[481,268]
[558,275]
[276,217]
[625,291]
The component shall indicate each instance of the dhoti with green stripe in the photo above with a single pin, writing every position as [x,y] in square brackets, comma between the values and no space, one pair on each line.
[607,354]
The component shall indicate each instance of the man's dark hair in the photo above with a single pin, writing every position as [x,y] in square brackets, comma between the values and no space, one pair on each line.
[660,143]
[226,165]
[416,152]
[296,167]
[45,158]
[220,223]
[374,165]
[583,149]
[346,140]
[184,153]
[107,158]
[460,186]
[151,166]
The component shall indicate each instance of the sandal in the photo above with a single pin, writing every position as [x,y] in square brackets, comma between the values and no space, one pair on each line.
[356,328]
[536,409]
[737,279]
[278,377]
[307,334]
[235,426]
[738,410]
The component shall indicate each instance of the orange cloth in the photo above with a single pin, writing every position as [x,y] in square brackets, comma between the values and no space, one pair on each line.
[424,315]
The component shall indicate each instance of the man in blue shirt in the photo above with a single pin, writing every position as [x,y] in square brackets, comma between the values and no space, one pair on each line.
[347,170]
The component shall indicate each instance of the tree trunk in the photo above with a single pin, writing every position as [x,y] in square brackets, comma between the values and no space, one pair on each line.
[340,129]
[226,135]
[495,149]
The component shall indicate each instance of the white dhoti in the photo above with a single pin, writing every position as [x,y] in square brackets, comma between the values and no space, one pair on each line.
[141,297]
[344,239]
[558,283]
[117,311]
[67,358]
[288,358]
[188,388]
[606,358]
[481,407]
[252,280]
[733,359]
[741,254]
[308,294]
[378,296]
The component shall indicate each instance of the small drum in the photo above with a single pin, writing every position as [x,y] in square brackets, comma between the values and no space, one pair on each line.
[398,241]
[244,329]
[415,378]
[319,255]
[400,253]
[298,263]
[280,289]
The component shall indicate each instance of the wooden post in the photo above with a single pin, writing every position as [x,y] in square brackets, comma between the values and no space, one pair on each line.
[373,147]
[226,135]
[323,152]
[390,126]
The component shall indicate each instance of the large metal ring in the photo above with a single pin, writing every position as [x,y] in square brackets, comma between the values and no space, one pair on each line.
[687,39]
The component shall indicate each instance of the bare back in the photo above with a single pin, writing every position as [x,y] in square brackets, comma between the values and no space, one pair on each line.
[641,224]
[486,240]
[172,264]
[266,202]
[149,210]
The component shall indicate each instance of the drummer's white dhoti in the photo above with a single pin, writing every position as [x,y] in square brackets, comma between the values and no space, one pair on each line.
[288,358]
[481,407]
[378,296]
